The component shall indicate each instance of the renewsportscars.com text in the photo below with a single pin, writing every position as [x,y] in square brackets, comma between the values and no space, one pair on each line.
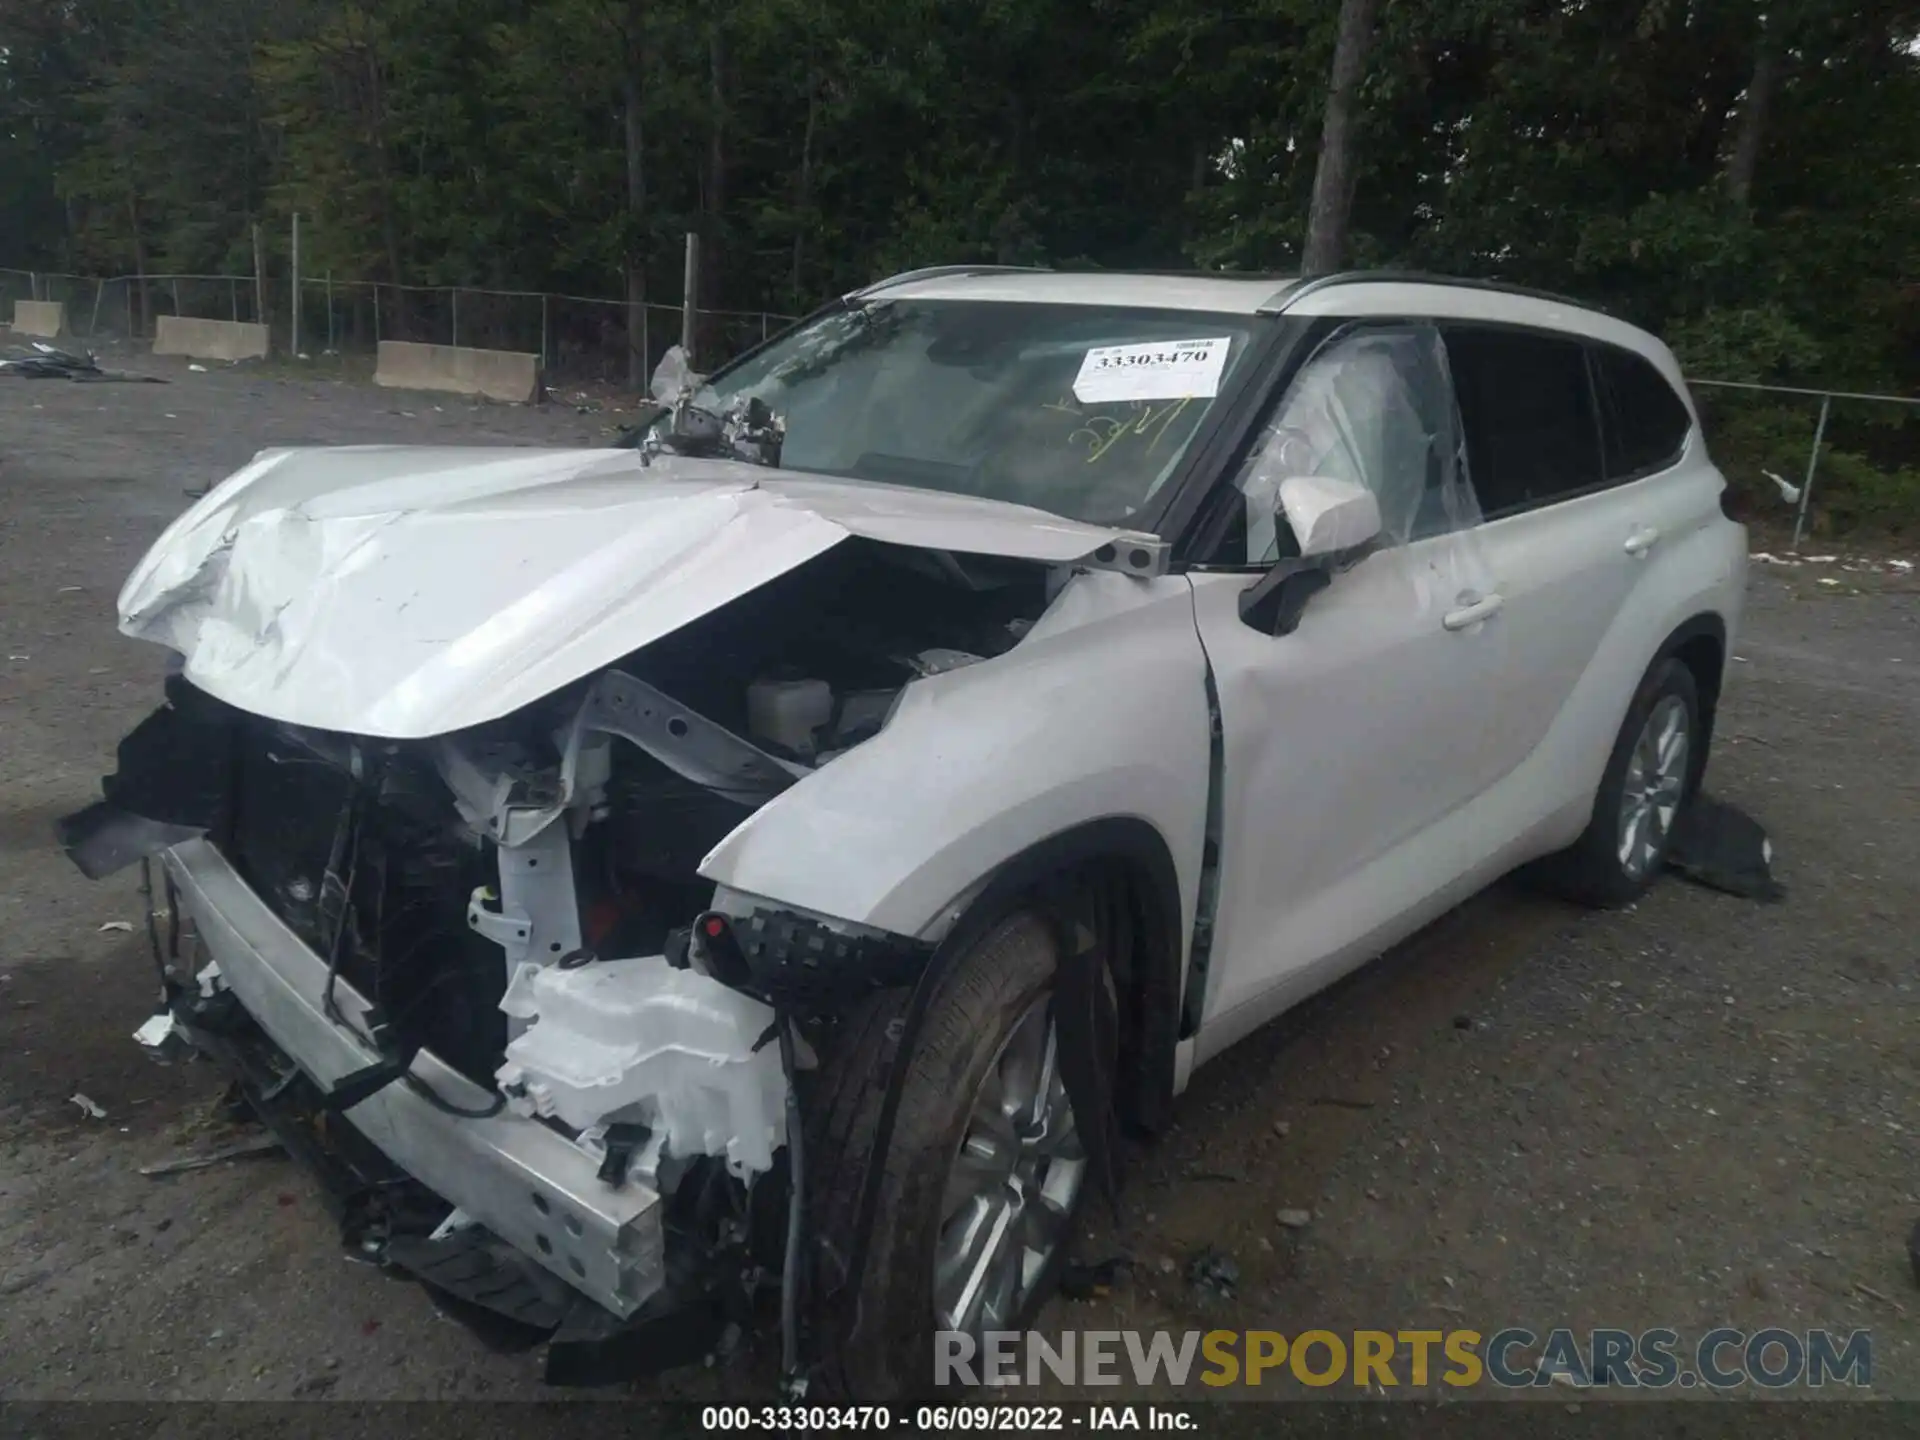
[1772,1358]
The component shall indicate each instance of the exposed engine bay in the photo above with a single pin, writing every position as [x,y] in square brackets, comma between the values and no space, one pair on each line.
[521,901]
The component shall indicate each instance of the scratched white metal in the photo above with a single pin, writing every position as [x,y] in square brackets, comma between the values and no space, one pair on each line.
[406,592]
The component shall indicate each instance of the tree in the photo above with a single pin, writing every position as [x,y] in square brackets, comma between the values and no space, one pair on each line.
[1333,176]
[1745,158]
[1742,175]
[633,90]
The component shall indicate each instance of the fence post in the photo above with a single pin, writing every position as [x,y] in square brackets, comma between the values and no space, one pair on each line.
[99,294]
[233,299]
[543,330]
[763,327]
[259,276]
[173,284]
[455,292]
[1813,461]
[33,285]
[332,349]
[296,286]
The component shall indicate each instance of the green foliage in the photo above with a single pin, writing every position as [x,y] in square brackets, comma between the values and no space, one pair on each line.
[1754,345]
[818,143]
[1750,434]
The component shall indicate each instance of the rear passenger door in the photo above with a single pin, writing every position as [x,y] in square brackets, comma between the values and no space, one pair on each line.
[1570,505]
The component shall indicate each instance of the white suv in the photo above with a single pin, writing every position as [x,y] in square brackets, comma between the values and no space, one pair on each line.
[939,732]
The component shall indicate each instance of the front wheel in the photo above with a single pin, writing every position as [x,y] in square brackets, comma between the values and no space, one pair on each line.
[982,1180]
[1647,782]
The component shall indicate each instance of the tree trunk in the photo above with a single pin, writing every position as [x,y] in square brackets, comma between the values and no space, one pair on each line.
[1745,159]
[1333,176]
[712,257]
[383,168]
[803,187]
[632,94]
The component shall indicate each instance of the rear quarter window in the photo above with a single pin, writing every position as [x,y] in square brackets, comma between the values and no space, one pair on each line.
[1646,422]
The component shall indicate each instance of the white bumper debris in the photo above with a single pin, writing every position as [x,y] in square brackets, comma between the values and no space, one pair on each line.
[163,1038]
[638,1040]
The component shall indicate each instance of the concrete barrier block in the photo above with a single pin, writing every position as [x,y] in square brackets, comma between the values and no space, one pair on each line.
[509,375]
[45,318]
[209,339]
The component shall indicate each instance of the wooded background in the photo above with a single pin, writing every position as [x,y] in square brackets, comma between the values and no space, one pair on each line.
[1743,177]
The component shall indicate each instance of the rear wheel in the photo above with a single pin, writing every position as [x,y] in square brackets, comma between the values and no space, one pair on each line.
[981,1182]
[1647,782]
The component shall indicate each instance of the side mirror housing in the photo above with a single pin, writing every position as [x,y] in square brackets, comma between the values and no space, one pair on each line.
[1332,520]
[1274,603]
[1328,515]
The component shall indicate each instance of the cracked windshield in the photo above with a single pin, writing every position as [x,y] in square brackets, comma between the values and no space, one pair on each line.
[1079,410]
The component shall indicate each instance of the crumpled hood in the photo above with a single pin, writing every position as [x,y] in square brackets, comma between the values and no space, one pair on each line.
[405,591]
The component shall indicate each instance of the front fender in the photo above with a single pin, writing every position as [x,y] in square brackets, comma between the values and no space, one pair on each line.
[1100,713]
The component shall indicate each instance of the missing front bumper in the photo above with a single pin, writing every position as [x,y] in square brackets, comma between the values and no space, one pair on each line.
[522,1180]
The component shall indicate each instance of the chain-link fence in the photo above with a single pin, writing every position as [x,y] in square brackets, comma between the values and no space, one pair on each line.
[579,338]
[100,309]
[1840,460]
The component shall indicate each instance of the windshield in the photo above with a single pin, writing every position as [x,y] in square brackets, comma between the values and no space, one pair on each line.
[1080,410]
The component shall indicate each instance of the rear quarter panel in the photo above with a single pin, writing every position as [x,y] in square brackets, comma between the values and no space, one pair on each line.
[1698,568]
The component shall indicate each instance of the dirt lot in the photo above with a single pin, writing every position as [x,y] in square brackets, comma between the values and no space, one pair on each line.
[1698,1112]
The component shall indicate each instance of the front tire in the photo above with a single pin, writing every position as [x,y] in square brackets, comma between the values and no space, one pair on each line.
[1647,783]
[982,1180]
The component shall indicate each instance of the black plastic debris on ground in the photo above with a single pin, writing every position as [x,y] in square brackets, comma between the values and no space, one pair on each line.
[44,362]
[1213,1275]
[1724,848]
[1094,1280]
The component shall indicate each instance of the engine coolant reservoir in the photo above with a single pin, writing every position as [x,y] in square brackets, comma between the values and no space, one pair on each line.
[788,713]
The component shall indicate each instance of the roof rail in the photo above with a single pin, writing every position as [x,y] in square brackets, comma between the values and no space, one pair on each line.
[935,272]
[1281,299]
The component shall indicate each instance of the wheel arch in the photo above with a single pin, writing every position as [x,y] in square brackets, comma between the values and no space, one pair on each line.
[1699,643]
[1136,864]
[1124,866]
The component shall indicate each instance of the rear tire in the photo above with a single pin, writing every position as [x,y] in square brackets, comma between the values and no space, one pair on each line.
[1647,783]
[878,1341]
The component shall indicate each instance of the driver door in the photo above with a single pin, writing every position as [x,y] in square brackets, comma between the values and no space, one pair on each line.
[1353,746]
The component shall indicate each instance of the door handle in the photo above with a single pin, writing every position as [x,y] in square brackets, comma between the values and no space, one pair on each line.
[1641,541]
[1471,613]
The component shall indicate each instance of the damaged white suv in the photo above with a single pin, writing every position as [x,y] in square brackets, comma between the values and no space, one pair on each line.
[939,732]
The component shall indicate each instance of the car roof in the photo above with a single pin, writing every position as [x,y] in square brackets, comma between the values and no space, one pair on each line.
[1353,294]
[1219,294]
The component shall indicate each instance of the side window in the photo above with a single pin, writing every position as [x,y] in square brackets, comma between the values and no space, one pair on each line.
[1372,406]
[1647,423]
[1527,406]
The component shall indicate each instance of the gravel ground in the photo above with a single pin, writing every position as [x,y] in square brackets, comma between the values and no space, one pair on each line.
[1693,1113]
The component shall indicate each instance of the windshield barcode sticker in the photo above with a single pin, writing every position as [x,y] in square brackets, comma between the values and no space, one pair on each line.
[1162,370]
